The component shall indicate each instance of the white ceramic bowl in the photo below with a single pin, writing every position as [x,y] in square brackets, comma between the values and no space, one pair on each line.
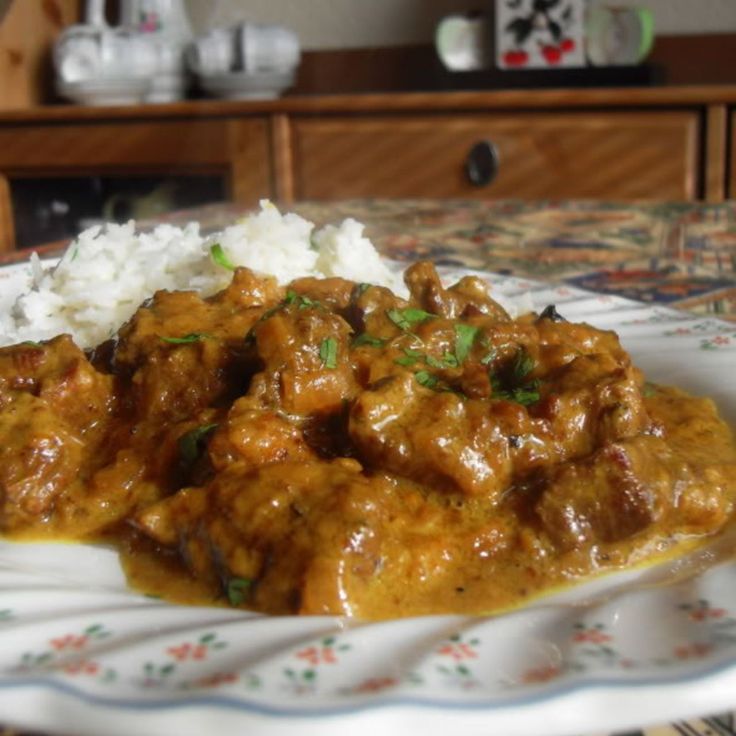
[101,92]
[247,86]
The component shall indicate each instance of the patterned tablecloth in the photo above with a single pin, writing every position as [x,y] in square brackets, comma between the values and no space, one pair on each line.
[681,255]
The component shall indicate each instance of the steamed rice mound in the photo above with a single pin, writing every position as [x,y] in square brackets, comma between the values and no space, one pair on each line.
[108,271]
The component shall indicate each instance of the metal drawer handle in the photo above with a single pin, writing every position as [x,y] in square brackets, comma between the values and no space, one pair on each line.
[481,164]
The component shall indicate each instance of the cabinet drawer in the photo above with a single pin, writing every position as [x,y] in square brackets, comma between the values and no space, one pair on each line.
[619,155]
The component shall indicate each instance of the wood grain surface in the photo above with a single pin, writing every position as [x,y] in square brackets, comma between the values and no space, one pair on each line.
[27,33]
[618,155]
[237,146]
[7,228]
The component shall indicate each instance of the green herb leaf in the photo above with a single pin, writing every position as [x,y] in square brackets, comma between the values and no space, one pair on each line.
[489,357]
[305,301]
[405,360]
[328,352]
[191,337]
[191,443]
[427,379]
[220,257]
[32,344]
[523,364]
[464,338]
[362,288]
[517,387]
[366,339]
[525,396]
[450,360]
[404,319]
[238,590]
[290,297]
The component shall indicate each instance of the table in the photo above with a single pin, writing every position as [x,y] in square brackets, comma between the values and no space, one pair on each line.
[681,255]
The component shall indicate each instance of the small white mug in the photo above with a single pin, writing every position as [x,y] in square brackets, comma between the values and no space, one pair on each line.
[213,52]
[267,48]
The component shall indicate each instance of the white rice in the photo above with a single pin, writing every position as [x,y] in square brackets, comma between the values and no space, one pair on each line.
[108,271]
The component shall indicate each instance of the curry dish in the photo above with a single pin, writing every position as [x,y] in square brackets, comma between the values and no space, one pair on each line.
[329,447]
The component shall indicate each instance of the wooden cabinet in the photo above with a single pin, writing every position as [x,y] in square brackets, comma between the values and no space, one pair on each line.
[665,143]
[731,147]
[599,154]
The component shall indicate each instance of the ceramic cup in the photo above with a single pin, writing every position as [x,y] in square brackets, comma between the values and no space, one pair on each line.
[267,48]
[463,42]
[618,36]
[213,52]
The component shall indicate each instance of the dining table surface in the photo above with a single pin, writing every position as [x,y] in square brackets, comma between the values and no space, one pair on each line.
[682,255]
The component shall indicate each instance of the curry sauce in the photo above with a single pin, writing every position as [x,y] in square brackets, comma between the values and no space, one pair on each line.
[329,447]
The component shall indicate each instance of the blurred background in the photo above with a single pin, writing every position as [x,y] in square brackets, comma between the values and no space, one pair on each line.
[135,108]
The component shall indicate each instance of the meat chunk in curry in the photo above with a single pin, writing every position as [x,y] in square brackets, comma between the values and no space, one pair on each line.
[329,447]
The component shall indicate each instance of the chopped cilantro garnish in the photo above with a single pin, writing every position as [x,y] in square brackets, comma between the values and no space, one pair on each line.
[191,337]
[525,395]
[301,300]
[305,301]
[464,338]
[405,360]
[515,387]
[191,443]
[405,319]
[448,360]
[362,288]
[432,362]
[220,257]
[328,352]
[237,590]
[366,339]
[523,364]
[427,379]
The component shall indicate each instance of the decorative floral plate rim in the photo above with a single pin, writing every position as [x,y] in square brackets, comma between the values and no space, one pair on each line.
[661,641]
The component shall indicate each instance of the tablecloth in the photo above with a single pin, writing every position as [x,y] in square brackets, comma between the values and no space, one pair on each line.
[679,254]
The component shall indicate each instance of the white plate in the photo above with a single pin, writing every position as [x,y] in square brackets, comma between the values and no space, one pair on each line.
[78,652]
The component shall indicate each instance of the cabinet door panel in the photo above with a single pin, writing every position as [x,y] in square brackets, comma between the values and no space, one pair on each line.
[237,147]
[619,155]
[731,165]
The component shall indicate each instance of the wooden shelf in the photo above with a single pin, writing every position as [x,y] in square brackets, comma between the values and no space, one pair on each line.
[654,143]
